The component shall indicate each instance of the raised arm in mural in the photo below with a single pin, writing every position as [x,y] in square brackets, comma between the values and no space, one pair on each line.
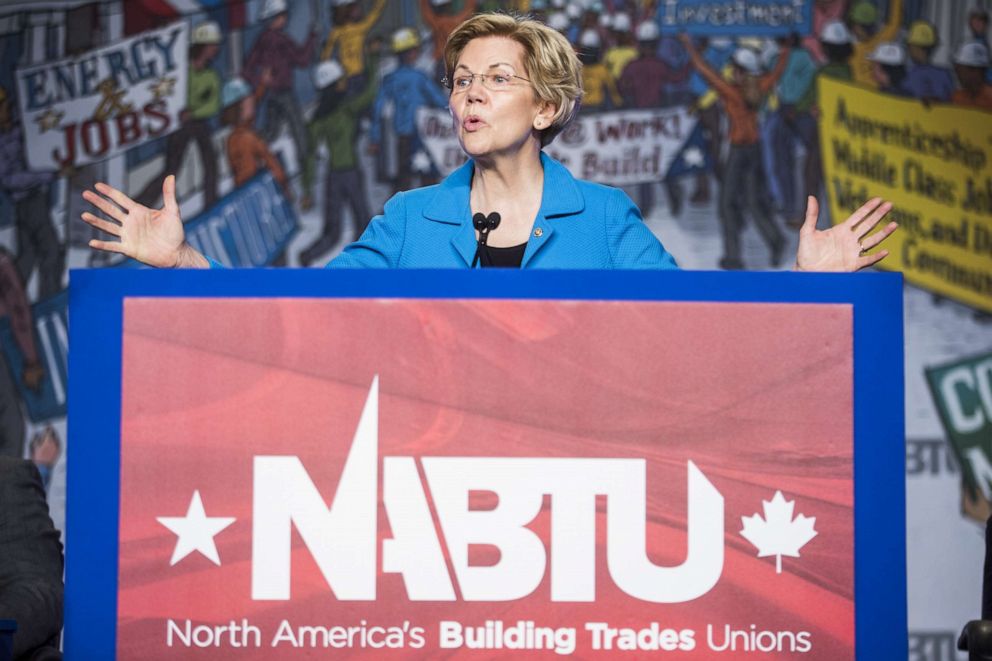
[869,34]
[743,186]
[348,36]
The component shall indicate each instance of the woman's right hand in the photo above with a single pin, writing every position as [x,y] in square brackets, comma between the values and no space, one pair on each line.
[153,237]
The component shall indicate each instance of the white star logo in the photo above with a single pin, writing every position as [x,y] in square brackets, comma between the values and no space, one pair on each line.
[195,531]
[693,156]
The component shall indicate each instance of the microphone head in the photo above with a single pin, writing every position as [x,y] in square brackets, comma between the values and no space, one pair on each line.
[492,220]
[479,221]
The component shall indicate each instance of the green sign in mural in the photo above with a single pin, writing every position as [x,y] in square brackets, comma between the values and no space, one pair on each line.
[962,391]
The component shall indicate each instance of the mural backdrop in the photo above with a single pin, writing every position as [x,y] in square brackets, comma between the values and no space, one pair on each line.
[290,122]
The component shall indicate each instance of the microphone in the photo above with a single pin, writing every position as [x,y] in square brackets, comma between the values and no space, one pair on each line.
[484,225]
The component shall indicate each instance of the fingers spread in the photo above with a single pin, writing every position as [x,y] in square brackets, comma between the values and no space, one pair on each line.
[868,260]
[101,224]
[871,241]
[868,224]
[109,246]
[865,209]
[106,206]
[120,198]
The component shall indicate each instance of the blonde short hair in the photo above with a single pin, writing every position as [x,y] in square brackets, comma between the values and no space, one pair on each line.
[552,66]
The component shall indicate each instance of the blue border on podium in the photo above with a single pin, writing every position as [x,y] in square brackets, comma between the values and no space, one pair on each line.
[95,322]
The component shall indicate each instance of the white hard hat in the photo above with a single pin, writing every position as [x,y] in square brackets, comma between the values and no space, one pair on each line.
[327,73]
[836,33]
[233,91]
[748,60]
[205,33]
[438,3]
[558,21]
[648,31]
[621,22]
[573,10]
[972,54]
[590,39]
[890,53]
[605,20]
[272,8]
[721,43]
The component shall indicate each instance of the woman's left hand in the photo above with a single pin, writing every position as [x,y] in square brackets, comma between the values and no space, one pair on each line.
[843,247]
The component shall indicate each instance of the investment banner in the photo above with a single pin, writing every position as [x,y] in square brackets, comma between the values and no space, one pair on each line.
[106,101]
[422,477]
[736,17]
[615,148]
[935,164]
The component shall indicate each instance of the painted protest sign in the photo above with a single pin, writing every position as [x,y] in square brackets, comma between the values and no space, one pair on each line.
[615,148]
[51,337]
[248,227]
[934,164]
[106,101]
[962,392]
[736,17]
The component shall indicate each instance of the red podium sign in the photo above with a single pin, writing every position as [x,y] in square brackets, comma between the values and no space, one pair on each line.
[475,478]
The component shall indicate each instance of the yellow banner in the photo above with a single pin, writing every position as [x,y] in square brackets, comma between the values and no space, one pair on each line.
[934,164]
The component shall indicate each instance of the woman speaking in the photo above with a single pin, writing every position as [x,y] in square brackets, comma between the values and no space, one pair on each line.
[514,85]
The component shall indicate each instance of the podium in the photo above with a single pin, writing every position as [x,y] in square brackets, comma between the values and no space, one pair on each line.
[412,464]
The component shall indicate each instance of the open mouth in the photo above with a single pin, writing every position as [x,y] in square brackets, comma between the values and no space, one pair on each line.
[472,123]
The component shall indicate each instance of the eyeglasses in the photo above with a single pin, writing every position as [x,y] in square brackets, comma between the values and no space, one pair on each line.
[494,82]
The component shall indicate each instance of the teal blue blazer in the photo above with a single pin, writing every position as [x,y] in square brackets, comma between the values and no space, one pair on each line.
[580,225]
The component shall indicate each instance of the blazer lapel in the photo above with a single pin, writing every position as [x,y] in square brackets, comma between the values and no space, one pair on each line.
[451,207]
[560,197]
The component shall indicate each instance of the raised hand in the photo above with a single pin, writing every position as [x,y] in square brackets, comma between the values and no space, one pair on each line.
[843,247]
[153,237]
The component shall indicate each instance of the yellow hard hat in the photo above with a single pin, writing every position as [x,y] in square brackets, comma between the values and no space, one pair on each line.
[404,39]
[921,33]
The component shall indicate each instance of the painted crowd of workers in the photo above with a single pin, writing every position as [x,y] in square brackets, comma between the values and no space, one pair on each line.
[754,98]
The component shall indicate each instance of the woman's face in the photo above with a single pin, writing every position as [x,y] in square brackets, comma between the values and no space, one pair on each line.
[495,122]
